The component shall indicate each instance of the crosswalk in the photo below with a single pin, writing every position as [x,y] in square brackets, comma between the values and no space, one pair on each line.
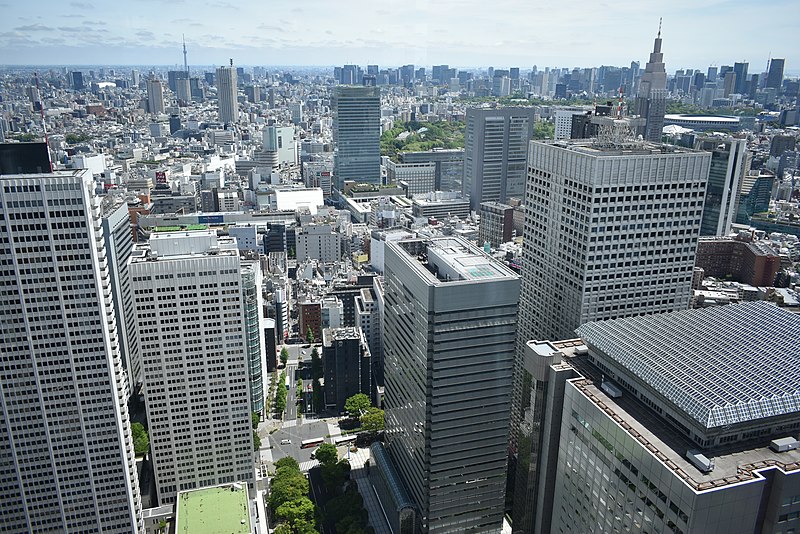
[306,466]
[290,423]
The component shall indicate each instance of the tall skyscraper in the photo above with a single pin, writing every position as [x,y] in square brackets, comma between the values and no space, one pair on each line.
[76,77]
[643,438]
[119,245]
[66,453]
[775,74]
[357,134]
[189,308]
[651,99]
[495,152]
[449,349]
[611,229]
[227,94]
[741,85]
[729,165]
[155,96]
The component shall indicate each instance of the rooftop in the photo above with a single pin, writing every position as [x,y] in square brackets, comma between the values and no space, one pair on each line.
[720,366]
[221,509]
[451,259]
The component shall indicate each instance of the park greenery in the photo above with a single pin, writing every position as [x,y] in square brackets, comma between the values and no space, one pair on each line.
[544,130]
[362,412]
[74,138]
[678,107]
[372,420]
[421,136]
[141,441]
[288,499]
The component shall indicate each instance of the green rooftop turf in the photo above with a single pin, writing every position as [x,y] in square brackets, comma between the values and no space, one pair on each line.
[196,227]
[213,511]
[167,229]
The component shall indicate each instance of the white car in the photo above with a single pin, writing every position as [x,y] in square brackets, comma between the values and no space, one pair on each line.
[286,442]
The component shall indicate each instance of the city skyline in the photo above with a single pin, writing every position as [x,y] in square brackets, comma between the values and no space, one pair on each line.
[460,34]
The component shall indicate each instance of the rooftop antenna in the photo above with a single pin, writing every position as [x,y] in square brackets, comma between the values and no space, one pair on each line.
[659,28]
[231,60]
[185,63]
[619,105]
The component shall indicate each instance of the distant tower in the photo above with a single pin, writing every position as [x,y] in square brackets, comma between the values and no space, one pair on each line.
[155,96]
[227,94]
[185,61]
[651,100]
[775,74]
[357,134]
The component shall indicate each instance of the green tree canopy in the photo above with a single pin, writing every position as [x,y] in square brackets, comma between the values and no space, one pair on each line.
[284,355]
[373,420]
[256,419]
[296,510]
[287,461]
[141,441]
[357,404]
[327,454]
[256,441]
[310,336]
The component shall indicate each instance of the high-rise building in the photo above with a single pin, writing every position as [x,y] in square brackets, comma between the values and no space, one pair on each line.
[497,223]
[227,94]
[496,148]
[651,98]
[449,166]
[66,453]
[155,96]
[251,301]
[347,366]
[641,437]
[730,162]
[611,231]
[356,134]
[183,91]
[775,74]
[740,69]
[76,77]
[119,245]
[189,307]
[450,319]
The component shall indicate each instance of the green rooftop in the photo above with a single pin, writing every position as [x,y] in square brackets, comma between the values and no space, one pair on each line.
[217,510]
[167,229]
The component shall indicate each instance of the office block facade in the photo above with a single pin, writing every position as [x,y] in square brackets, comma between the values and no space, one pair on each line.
[497,223]
[356,134]
[347,366]
[66,452]
[611,230]
[449,166]
[119,245]
[730,162]
[155,96]
[188,298]
[450,319]
[496,148]
[227,91]
[251,302]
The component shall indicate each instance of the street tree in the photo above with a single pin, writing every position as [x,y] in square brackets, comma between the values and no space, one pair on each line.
[357,404]
[284,355]
[373,420]
[327,454]
[141,441]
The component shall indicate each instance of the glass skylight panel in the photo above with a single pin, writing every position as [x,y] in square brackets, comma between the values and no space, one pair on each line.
[743,357]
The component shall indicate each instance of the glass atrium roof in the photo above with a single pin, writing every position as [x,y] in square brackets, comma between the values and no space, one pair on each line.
[721,366]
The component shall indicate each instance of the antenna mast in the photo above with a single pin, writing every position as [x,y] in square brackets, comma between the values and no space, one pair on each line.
[185,63]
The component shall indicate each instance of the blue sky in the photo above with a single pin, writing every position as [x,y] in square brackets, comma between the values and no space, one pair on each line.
[502,33]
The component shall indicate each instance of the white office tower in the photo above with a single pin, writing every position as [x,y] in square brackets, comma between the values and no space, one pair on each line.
[450,321]
[188,300]
[227,91]
[611,231]
[66,453]
[155,96]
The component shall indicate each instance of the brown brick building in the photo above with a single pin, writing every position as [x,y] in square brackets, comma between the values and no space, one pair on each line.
[748,263]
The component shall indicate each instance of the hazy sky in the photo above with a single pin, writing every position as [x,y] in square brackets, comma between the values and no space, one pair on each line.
[502,33]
